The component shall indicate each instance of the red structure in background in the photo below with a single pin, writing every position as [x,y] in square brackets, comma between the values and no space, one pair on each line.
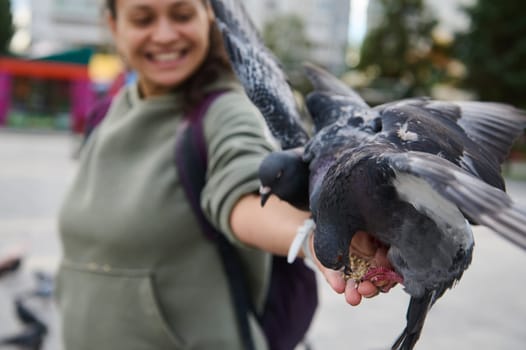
[79,87]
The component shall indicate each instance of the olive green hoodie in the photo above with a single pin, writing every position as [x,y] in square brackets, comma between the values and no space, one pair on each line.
[137,273]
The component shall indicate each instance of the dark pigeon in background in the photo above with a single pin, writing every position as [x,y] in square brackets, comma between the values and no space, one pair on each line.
[411,173]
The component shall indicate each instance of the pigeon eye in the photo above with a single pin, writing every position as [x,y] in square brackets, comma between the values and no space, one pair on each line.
[278,176]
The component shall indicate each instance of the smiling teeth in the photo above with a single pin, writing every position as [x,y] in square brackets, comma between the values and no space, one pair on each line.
[164,57]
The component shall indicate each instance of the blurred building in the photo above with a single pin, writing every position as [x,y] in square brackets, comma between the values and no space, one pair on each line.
[55,80]
[59,26]
[54,92]
[63,24]
[326,23]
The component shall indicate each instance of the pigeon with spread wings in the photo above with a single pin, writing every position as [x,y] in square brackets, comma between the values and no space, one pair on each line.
[413,174]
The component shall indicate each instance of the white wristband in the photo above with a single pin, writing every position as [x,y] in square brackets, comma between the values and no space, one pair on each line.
[301,241]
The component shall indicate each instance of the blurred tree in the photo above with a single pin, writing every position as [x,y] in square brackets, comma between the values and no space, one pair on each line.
[494,50]
[286,37]
[397,51]
[6,26]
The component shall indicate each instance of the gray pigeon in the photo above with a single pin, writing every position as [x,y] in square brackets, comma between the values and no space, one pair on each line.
[411,173]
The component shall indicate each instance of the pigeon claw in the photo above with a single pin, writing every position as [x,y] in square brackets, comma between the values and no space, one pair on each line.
[383,278]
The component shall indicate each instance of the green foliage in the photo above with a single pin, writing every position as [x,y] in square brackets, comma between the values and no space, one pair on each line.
[494,50]
[6,26]
[398,49]
[286,37]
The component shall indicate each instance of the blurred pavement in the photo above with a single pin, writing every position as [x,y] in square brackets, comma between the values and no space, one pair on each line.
[486,310]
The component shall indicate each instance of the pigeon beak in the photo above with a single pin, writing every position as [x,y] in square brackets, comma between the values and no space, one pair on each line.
[265,193]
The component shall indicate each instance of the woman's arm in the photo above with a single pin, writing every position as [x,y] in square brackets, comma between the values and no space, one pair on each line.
[271,228]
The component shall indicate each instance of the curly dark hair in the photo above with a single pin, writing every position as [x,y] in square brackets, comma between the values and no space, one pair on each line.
[215,64]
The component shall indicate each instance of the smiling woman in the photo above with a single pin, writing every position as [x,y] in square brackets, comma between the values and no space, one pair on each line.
[165,41]
[137,271]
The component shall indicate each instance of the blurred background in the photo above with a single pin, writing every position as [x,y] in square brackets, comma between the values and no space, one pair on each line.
[56,61]
[57,57]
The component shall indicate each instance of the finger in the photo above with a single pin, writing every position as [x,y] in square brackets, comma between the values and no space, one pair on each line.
[368,289]
[351,293]
[335,280]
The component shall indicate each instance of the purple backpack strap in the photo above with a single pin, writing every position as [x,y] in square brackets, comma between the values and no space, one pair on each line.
[97,114]
[191,158]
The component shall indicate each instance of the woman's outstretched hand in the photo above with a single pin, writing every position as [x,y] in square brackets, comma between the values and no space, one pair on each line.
[354,292]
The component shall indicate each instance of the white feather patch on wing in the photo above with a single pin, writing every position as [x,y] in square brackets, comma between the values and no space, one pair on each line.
[405,135]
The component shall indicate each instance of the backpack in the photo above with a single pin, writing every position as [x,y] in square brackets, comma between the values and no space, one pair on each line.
[292,295]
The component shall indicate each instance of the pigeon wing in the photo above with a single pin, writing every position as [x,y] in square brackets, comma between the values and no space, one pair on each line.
[332,99]
[260,74]
[493,126]
[326,108]
[324,81]
[430,126]
[482,203]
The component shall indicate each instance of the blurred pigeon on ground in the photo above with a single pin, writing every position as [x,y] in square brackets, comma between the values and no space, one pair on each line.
[25,315]
[410,173]
[32,337]
[260,73]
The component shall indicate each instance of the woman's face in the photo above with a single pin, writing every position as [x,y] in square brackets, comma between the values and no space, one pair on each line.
[164,41]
